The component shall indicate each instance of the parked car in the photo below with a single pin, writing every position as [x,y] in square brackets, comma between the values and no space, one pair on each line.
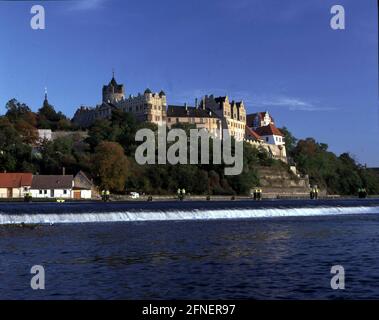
[134,195]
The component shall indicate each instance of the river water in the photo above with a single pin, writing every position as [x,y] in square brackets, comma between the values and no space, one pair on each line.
[191,250]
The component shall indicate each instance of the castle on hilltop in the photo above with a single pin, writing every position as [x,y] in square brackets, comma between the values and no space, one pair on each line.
[149,106]
[212,113]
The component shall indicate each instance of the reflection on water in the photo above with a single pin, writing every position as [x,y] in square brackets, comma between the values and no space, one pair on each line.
[238,259]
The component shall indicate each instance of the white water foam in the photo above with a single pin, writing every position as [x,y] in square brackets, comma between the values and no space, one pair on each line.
[179,215]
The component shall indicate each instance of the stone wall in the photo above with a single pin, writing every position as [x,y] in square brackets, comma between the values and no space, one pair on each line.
[279,182]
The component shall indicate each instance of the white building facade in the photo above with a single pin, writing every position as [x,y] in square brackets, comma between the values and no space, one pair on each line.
[52,186]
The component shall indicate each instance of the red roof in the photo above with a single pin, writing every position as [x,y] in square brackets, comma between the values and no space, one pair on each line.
[250,133]
[15,180]
[250,117]
[269,130]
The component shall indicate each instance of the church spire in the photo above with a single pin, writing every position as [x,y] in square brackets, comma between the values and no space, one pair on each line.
[113,80]
[45,101]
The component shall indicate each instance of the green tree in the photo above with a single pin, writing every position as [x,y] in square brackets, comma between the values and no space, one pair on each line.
[289,139]
[13,151]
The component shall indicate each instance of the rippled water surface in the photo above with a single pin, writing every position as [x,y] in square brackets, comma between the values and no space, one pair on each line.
[285,257]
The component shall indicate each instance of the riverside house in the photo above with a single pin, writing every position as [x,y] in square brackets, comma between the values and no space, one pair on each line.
[52,186]
[62,186]
[15,185]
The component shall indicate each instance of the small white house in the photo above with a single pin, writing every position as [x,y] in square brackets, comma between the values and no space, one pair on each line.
[270,138]
[271,135]
[52,186]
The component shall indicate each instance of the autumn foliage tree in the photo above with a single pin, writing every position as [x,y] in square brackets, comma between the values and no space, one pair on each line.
[110,166]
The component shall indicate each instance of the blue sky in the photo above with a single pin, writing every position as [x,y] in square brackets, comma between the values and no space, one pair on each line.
[279,55]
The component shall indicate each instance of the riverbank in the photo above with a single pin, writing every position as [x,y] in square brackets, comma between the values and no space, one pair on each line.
[172,198]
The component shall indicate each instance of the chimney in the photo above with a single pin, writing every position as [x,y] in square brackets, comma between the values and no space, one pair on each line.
[64,171]
[196,106]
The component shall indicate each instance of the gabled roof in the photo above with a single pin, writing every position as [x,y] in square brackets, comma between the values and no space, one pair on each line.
[81,181]
[188,112]
[269,130]
[52,182]
[250,117]
[239,104]
[251,134]
[15,180]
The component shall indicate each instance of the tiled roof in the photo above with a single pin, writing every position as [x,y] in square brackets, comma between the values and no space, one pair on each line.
[269,130]
[52,182]
[190,112]
[15,180]
[251,134]
[250,117]
[81,181]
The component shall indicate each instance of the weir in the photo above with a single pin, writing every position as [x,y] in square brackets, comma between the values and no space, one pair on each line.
[172,215]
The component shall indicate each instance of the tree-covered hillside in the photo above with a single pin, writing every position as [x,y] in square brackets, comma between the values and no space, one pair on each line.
[337,174]
[107,152]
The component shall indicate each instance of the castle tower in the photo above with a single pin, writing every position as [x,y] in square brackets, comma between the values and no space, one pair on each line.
[113,92]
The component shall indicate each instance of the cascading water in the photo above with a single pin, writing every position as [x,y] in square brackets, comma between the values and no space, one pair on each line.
[169,215]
